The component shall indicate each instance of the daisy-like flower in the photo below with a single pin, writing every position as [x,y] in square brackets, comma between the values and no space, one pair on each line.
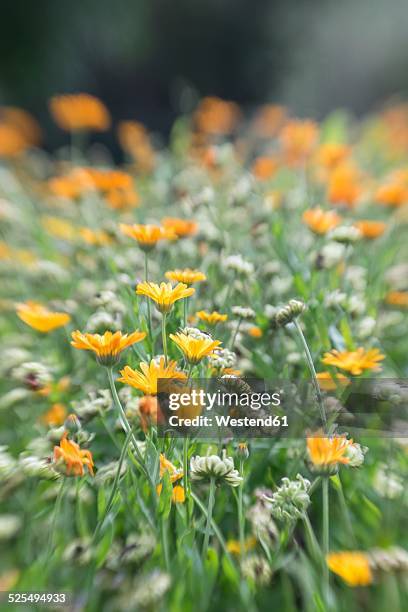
[371,229]
[78,112]
[40,318]
[321,221]
[195,349]
[211,318]
[354,362]
[72,458]
[352,566]
[146,380]
[326,453]
[108,347]
[221,469]
[178,494]
[55,416]
[186,276]
[147,236]
[180,227]
[164,295]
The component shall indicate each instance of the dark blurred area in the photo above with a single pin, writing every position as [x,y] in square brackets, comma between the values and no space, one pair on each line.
[151,60]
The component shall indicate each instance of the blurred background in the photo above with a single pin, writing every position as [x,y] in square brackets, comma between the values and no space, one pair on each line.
[151,60]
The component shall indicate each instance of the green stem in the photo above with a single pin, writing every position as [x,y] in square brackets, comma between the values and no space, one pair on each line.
[128,430]
[165,544]
[312,372]
[314,545]
[114,486]
[57,508]
[149,311]
[235,333]
[241,517]
[185,311]
[164,338]
[325,536]
[211,499]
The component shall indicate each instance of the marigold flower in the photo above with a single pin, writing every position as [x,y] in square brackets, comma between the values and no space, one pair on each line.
[330,382]
[397,298]
[268,120]
[392,193]
[73,457]
[215,116]
[12,141]
[108,347]
[195,349]
[211,318]
[167,466]
[149,410]
[344,185]
[180,227]
[59,228]
[264,168]
[325,453]
[95,237]
[255,332]
[298,140]
[40,318]
[147,236]
[76,112]
[331,154]
[234,546]
[371,229]
[186,276]
[356,361]
[321,221]
[55,416]
[146,380]
[352,566]
[164,295]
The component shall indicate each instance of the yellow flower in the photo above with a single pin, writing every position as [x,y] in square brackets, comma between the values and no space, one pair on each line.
[194,349]
[79,112]
[234,547]
[40,318]
[212,318]
[353,567]
[326,453]
[108,347]
[187,276]
[164,295]
[146,380]
[69,453]
[397,298]
[180,227]
[147,236]
[354,362]
[55,416]
[59,228]
[321,221]
[95,237]
[255,331]
[328,382]
[178,494]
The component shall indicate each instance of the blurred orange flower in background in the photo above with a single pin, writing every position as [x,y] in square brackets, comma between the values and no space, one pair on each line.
[216,117]
[39,317]
[321,221]
[298,139]
[79,112]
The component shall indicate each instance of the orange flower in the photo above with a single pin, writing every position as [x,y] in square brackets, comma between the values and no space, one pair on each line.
[147,236]
[180,227]
[22,122]
[298,140]
[397,298]
[392,194]
[134,139]
[371,229]
[354,362]
[352,566]
[186,276]
[216,117]
[195,349]
[146,380]
[211,318]
[344,186]
[268,120]
[108,347]
[69,454]
[321,221]
[330,155]
[59,228]
[325,453]
[255,332]
[12,142]
[77,112]
[149,410]
[55,416]
[67,187]
[264,168]
[40,318]
[328,382]
[95,237]
[178,494]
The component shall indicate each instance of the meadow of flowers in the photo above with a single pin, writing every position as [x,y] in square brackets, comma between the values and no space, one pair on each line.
[262,247]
